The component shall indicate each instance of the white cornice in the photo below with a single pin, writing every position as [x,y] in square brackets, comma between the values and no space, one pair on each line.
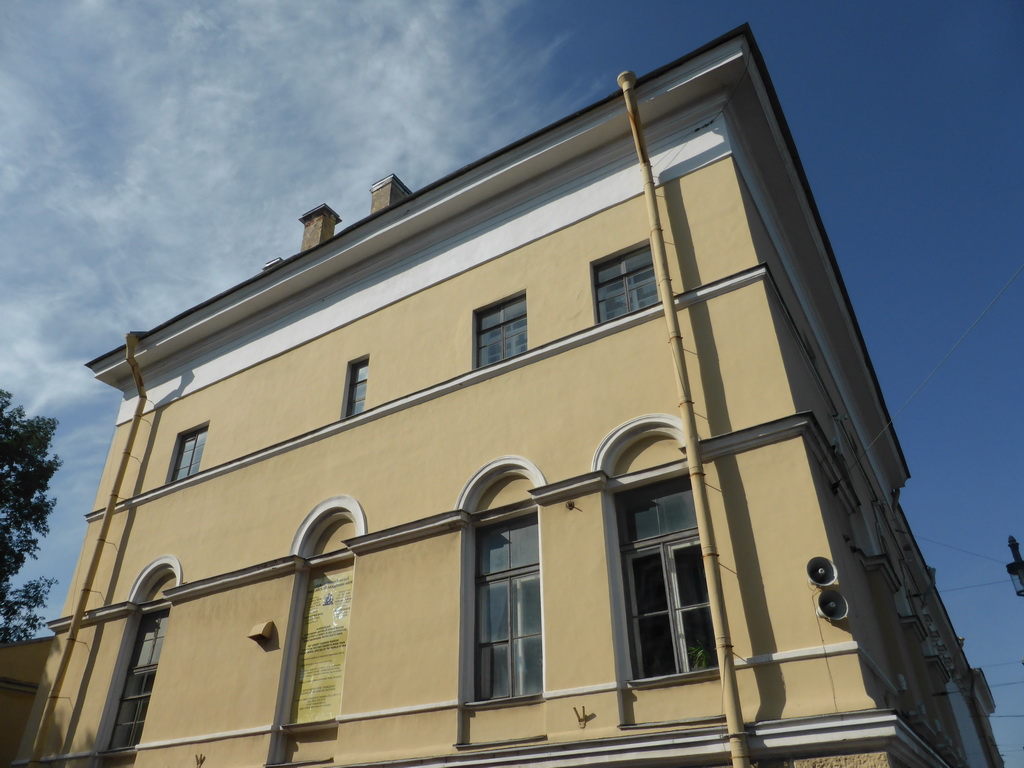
[549,182]
[235,579]
[401,534]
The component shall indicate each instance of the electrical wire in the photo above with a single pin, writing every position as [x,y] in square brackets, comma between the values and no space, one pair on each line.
[959,549]
[942,361]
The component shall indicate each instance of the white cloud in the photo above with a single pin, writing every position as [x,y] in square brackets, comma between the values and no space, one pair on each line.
[155,154]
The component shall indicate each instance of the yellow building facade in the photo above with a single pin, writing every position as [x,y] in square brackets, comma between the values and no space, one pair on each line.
[420,495]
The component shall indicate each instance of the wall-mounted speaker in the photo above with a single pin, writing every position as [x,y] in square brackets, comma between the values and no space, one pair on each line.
[832,605]
[821,572]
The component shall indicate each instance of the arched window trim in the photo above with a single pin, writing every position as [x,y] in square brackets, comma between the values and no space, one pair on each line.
[490,473]
[619,440]
[321,516]
[151,574]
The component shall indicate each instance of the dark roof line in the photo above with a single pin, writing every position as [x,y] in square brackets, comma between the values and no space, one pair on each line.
[773,97]
[743,30]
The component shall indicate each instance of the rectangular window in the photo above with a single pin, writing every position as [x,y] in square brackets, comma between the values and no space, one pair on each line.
[355,398]
[501,331]
[670,618]
[624,284]
[509,644]
[131,711]
[190,452]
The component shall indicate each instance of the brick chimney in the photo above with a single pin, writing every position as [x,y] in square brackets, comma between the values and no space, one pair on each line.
[387,191]
[319,226]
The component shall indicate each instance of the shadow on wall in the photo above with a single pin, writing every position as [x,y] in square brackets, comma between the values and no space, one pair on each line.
[732,495]
[153,418]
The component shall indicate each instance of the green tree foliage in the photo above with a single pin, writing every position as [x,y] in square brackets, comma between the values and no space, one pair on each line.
[26,467]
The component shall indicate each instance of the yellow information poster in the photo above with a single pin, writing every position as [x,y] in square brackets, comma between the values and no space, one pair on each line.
[321,668]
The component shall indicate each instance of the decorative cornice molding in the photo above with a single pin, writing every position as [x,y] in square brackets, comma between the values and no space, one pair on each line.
[234,579]
[413,531]
[564,490]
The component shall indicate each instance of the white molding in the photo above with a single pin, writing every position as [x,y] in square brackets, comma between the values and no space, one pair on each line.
[491,472]
[412,531]
[313,524]
[344,280]
[623,436]
[563,490]
[397,711]
[203,738]
[800,654]
[234,579]
[584,691]
[144,581]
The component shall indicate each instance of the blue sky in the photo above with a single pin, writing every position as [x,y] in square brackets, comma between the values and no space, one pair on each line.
[152,155]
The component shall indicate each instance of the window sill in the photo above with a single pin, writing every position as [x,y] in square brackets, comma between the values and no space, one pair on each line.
[677,679]
[512,701]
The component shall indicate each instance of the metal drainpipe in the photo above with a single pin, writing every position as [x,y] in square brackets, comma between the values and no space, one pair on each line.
[46,723]
[712,569]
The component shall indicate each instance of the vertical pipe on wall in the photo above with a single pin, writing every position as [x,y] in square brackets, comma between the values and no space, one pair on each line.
[712,568]
[46,722]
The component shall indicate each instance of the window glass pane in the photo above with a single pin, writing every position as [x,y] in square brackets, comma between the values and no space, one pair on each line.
[493,546]
[640,279]
[489,338]
[644,296]
[526,605]
[136,684]
[493,672]
[515,345]
[637,260]
[655,640]
[609,271]
[693,588]
[516,309]
[490,354]
[529,665]
[516,326]
[649,594]
[699,637]
[492,612]
[524,546]
[642,521]
[490,319]
[122,736]
[677,513]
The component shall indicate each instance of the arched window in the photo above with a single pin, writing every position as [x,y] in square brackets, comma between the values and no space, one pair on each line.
[507,639]
[666,616]
[150,630]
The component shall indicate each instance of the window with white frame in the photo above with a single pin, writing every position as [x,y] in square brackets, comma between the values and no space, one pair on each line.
[624,284]
[669,616]
[189,453]
[501,331]
[138,686]
[509,647]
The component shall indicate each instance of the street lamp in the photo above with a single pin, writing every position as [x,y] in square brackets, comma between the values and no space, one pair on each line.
[1016,568]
